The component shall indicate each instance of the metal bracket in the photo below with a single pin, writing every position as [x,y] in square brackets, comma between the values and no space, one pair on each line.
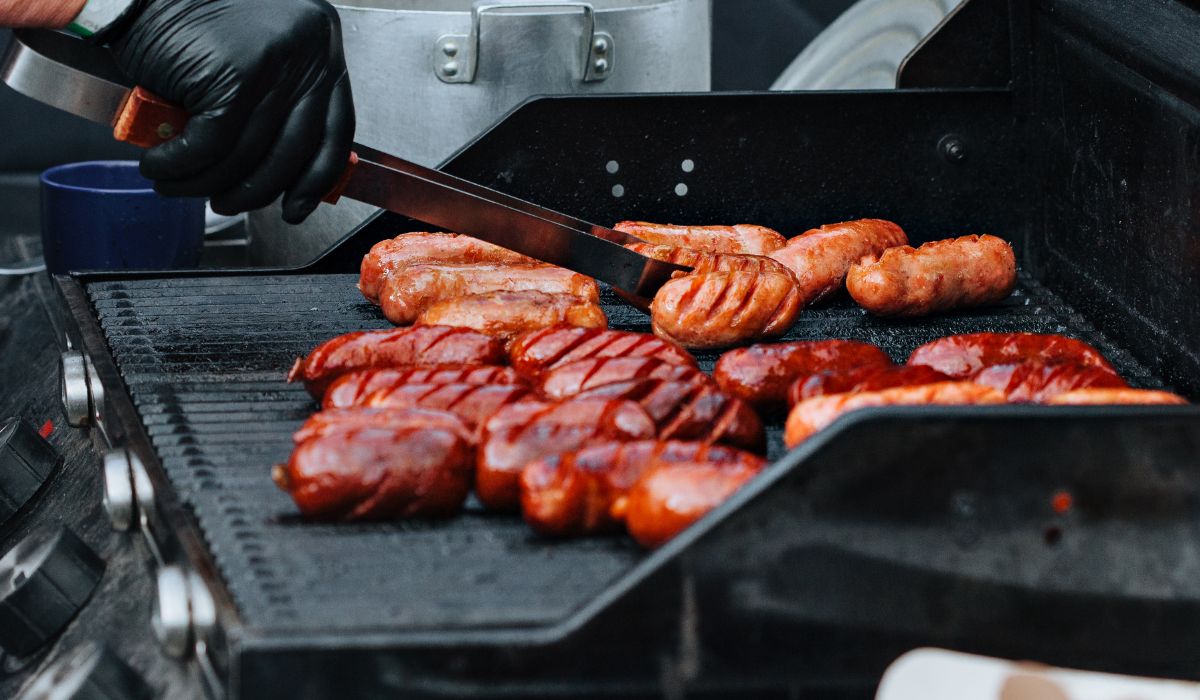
[456,56]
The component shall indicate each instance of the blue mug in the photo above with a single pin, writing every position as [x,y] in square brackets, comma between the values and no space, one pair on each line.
[103,215]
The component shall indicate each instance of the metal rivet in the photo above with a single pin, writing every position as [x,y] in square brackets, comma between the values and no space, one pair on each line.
[450,69]
[450,49]
[165,131]
[600,65]
[600,45]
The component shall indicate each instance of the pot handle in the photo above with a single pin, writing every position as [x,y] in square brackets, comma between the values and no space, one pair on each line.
[456,56]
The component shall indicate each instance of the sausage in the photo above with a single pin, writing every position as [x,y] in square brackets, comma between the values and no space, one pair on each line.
[376,473]
[340,420]
[745,239]
[762,374]
[409,249]
[352,389]
[720,309]
[509,314]
[821,257]
[394,348]
[409,291]
[689,411]
[1128,397]
[519,434]
[1034,381]
[859,379]
[961,356]
[701,261]
[812,415]
[538,351]
[956,273]
[573,494]
[670,497]
[570,379]
[473,403]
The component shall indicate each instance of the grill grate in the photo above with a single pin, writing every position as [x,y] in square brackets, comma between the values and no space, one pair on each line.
[204,360]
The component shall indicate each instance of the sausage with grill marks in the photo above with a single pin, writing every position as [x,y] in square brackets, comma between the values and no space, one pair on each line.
[574,494]
[416,248]
[538,351]
[859,379]
[567,380]
[522,433]
[961,356]
[1107,397]
[720,309]
[474,404]
[509,314]
[353,389]
[337,420]
[742,239]
[762,374]
[821,257]
[394,348]
[670,497]
[1033,381]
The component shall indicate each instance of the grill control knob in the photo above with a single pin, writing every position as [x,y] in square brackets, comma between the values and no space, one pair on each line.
[93,673]
[25,462]
[44,581]
[118,489]
[76,394]
[184,612]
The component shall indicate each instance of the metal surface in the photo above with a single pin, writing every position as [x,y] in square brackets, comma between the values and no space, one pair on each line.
[118,490]
[26,461]
[75,391]
[39,63]
[970,48]
[172,617]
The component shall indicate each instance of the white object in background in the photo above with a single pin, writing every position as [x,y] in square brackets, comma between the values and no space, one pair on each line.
[936,674]
[863,48]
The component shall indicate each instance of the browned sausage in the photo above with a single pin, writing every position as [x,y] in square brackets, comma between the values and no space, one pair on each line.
[352,389]
[538,351]
[394,348]
[962,356]
[509,314]
[743,238]
[409,291]
[573,494]
[820,258]
[416,248]
[1100,397]
[340,420]
[689,411]
[859,379]
[1033,381]
[720,309]
[670,497]
[761,374]
[812,415]
[701,261]
[519,434]
[473,403]
[568,380]
[956,273]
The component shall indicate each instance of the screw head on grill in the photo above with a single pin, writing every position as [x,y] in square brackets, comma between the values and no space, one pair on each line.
[25,461]
[93,672]
[44,581]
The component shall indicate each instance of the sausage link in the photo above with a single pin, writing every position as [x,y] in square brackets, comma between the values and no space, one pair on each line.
[1033,381]
[409,291]
[394,348]
[762,374]
[575,494]
[352,389]
[742,239]
[567,380]
[522,433]
[956,273]
[473,403]
[1128,397]
[859,379]
[509,314]
[821,257]
[538,351]
[720,309]
[812,415]
[408,249]
[670,497]
[961,356]
[341,420]
[702,262]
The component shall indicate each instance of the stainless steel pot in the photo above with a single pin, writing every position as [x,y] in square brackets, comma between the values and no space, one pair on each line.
[430,75]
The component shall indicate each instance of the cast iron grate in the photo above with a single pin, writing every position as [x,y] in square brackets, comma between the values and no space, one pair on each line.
[204,361]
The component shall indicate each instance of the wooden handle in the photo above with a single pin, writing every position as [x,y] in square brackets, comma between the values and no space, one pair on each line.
[336,193]
[147,120]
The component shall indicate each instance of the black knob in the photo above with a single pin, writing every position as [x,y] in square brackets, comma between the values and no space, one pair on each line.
[44,581]
[94,672]
[25,462]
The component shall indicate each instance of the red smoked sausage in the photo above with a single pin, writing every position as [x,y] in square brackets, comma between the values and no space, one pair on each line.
[417,248]
[961,356]
[742,239]
[1034,381]
[1100,397]
[720,309]
[565,381]
[473,403]
[865,378]
[670,497]
[538,351]
[762,374]
[506,315]
[353,389]
[820,258]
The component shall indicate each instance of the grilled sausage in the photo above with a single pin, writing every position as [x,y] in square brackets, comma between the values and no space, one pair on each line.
[340,420]
[701,261]
[353,389]
[672,496]
[394,348]
[689,411]
[409,291]
[570,379]
[1128,397]
[509,314]
[519,434]
[956,273]
[417,248]
[720,309]
[573,494]
[761,374]
[743,238]
[473,403]
[961,356]
[859,379]
[538,351]
[1034,381]
[812,415]
[821,257]
[375,473]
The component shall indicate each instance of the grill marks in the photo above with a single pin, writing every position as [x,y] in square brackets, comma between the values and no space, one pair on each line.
[472,403]
[722,309]
[543,350]
[355,388]
[571,379]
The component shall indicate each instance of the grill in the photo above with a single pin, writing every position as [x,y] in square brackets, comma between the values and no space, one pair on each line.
[894,528]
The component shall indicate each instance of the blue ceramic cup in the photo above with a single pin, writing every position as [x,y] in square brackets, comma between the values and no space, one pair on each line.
[103,215]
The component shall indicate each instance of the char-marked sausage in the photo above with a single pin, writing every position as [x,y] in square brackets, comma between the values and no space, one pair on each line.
[353,389]
[1034,381]
[961,356]
[565,381]
[744,239]
[473,403]
[866,378]
[762,374]
[721,309]
[340,420]
[538,351]
[821,257]
[506,315]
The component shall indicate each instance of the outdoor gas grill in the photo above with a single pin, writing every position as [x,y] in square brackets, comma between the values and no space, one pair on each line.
[1073,132]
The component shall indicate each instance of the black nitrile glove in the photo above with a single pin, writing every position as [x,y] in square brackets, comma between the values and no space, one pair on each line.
[265,82]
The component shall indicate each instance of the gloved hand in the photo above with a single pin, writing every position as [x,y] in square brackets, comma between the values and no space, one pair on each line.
[265,82]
